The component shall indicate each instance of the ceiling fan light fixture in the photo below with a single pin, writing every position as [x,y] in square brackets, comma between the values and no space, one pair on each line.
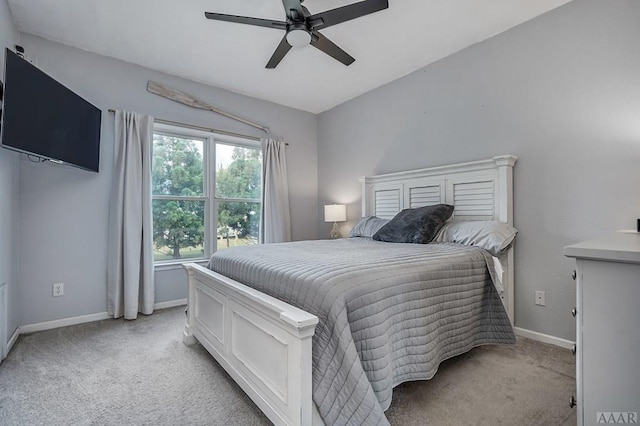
[298,37]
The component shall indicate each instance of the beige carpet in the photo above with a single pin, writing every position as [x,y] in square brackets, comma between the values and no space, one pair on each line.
[118,372]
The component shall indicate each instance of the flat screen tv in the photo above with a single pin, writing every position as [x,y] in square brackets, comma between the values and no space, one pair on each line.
[43,118]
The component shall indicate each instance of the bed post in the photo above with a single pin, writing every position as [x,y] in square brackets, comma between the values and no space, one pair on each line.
[365,197]
[505,165]
[188,338]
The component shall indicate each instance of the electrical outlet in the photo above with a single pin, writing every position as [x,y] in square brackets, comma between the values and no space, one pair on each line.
[540,298]
[58,289]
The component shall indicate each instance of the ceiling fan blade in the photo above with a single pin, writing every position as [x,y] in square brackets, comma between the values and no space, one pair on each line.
[294,10]
[322,43]
[247,20]
[346,13]
[277,56]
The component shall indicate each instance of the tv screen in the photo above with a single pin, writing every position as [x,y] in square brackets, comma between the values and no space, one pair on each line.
[41,117]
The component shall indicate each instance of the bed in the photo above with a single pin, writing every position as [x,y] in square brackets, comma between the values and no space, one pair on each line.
[363,324]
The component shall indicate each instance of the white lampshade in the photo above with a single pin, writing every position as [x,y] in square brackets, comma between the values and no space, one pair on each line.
[335,213]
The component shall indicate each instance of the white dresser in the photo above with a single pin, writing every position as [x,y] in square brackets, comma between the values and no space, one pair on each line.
[607,316]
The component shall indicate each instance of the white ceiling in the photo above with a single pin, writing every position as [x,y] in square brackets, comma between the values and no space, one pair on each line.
[174,37]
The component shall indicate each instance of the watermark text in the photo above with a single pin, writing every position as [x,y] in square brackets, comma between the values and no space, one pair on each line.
[617,417]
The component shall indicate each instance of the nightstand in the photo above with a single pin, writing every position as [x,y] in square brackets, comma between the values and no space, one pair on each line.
[607,316]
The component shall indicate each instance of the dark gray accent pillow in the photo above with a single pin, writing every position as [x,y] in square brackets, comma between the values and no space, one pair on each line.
[418,226]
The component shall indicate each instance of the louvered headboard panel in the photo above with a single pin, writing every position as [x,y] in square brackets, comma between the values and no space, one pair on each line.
[474,200]
[479,190]
[387,202]
[428,195]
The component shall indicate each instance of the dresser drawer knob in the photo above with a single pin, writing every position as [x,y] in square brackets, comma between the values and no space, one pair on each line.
[574,275]
[572,402]
[574,312]
[574,349]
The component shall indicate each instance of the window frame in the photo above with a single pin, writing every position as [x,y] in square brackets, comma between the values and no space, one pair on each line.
[209,143]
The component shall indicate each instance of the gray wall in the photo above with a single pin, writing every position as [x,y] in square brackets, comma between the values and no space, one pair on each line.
[63,211]
[562,92]
[9,166]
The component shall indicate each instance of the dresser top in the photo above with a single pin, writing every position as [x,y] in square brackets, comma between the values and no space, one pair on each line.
[621,246]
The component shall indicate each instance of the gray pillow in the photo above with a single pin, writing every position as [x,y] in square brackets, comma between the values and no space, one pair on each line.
[418,226]
[494,236]
[368,226]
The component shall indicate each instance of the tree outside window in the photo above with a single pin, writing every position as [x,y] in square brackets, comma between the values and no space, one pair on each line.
[187,198]
[238,189]
[178,197]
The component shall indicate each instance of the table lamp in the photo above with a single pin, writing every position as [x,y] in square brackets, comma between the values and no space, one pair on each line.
[335,213]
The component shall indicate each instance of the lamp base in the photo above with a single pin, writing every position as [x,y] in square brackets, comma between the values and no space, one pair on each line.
[335,232]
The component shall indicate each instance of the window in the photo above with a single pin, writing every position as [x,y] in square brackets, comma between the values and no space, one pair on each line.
[206,193]
[238,193]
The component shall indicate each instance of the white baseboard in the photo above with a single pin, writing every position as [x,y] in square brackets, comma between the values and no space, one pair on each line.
[64,322]
[544,338]
[13,339]
[170,304]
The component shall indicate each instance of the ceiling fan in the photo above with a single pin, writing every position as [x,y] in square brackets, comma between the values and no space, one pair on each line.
[302,27]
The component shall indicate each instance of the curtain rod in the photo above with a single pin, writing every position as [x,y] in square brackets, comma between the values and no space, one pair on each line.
[206,129]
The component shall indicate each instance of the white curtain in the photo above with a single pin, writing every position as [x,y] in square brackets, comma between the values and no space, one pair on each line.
[275,221]
[130,287]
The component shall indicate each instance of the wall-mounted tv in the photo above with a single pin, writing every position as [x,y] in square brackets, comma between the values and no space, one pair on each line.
[43,118]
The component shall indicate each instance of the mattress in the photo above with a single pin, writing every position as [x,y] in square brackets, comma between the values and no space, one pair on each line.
[388,313]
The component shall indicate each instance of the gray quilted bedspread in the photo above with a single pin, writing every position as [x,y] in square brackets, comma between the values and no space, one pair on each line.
[388,313]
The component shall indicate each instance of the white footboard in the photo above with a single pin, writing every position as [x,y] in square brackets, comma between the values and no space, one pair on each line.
[262,342]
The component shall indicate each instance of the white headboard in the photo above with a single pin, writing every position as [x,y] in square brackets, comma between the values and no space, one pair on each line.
[479,190]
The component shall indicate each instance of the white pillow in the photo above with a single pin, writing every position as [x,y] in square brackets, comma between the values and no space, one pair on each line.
[367,226]
[493,236]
